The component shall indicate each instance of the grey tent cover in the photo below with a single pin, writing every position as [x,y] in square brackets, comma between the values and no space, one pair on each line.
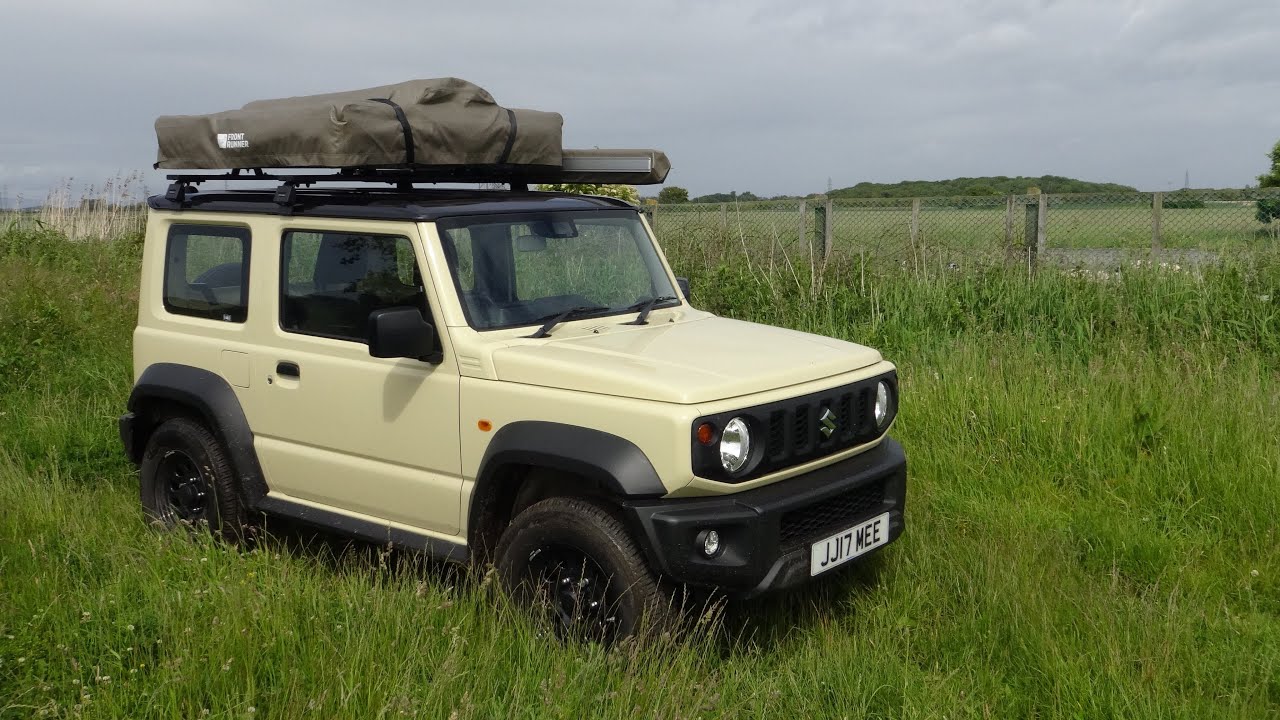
[437,122]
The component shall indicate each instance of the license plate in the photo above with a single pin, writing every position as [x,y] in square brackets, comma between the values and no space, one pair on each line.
[848,544]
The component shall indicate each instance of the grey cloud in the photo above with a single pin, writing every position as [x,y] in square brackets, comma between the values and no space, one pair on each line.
[762,95]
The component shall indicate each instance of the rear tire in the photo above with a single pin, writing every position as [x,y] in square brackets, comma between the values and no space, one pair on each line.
[573,560]
[186,478]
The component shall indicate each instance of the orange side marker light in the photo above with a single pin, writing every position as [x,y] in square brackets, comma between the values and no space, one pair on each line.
[706,431]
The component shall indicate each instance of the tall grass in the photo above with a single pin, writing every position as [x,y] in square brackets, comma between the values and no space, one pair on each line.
[110,210]
[1091,526]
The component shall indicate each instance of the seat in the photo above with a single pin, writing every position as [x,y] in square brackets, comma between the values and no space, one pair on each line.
[341,262]
[333,307]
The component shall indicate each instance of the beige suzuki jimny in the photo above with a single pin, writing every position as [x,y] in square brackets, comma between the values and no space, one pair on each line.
[491,376]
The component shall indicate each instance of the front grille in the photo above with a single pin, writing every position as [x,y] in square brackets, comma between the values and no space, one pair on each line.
[795,432]
[801,436]
[831,514]
[791,432]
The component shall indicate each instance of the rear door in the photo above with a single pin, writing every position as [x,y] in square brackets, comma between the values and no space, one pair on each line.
[333,426]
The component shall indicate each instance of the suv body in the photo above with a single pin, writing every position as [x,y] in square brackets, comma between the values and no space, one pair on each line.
[259,322]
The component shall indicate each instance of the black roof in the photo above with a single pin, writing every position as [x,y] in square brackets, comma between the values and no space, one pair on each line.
[386,204]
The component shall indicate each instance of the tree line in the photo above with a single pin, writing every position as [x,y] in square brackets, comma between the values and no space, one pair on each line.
[979,186]
[1268,209]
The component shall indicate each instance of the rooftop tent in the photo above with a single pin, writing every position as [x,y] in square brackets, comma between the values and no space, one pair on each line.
[447,128]
[450,122]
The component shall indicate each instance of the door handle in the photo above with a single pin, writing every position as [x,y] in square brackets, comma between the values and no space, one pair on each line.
[288,370]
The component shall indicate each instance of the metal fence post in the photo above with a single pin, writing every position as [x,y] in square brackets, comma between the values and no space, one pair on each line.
[828,231]
[1008,221]
[1030,232]
[1157,209]
[1042,222]
[915,222]
[724,218]
[819,231]
[804,209]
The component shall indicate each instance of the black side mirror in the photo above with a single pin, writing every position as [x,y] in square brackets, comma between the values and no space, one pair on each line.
[684,286]
[400,332]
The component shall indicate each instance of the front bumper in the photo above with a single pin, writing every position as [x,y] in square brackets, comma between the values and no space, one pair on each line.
[766,532]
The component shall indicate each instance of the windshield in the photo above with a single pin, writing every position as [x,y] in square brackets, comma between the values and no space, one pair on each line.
[514,270]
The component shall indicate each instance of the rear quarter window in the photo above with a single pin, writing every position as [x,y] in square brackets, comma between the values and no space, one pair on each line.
[207,272]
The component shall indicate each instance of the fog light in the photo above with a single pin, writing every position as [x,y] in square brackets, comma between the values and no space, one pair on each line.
[710,543]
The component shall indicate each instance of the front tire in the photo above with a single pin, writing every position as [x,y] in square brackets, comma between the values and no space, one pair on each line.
[186,478]
[576,562]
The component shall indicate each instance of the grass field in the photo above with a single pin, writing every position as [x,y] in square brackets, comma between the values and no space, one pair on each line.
[1091,526]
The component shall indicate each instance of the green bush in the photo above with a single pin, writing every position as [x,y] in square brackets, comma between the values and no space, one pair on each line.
[673,194]
[1268,211]
[1182,201]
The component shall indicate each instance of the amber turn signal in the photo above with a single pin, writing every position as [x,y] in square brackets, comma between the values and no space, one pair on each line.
[706,433]
[485,425]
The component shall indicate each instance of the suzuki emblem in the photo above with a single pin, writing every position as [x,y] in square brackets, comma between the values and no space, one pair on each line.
[827,422]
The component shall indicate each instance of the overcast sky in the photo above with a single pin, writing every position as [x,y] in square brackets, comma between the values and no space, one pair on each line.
[761,95]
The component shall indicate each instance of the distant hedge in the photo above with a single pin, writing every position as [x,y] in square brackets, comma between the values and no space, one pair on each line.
[998,185]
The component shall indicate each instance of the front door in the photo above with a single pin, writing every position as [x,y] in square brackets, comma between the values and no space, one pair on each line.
[335,427]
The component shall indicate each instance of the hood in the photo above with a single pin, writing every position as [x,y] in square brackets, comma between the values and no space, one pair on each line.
[685,362]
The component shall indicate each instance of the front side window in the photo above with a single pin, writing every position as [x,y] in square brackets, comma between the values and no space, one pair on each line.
[332,281]
[207,272]
[514,270]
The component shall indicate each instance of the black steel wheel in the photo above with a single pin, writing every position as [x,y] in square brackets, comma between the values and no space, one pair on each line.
[574,562]
[186,479]
[576,592]
[186,494]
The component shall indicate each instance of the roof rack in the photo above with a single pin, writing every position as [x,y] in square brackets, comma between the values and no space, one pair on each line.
[402,178]
[579,166]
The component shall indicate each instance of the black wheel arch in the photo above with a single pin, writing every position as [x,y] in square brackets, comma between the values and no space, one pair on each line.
[600,464]
[165,390]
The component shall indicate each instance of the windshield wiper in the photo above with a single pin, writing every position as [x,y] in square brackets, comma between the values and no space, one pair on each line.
[645,307]
[556,319]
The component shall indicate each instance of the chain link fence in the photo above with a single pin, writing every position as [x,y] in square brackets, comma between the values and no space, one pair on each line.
[921,234]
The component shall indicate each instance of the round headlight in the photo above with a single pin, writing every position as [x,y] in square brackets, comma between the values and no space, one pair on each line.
[882,403]
[735,445]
